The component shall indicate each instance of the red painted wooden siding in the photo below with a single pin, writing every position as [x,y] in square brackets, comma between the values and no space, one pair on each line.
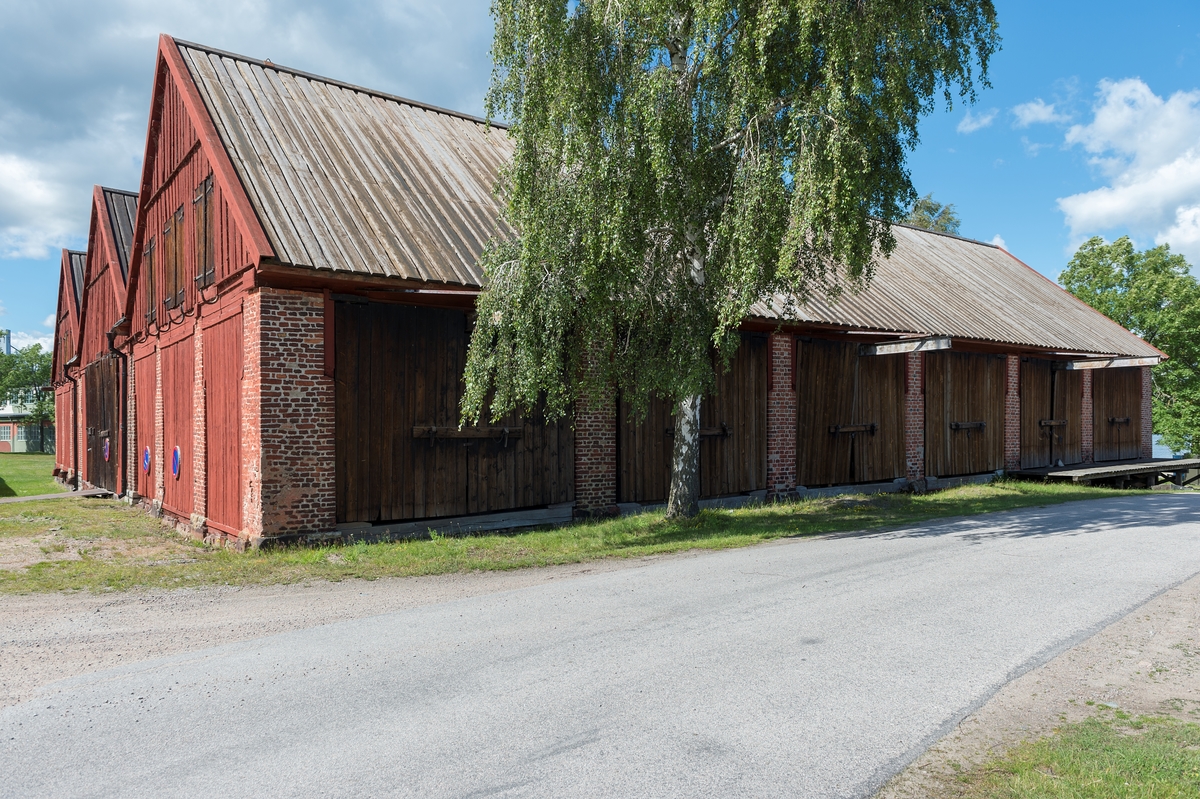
[223,418]
[146,384]
[178,173]
[178,383]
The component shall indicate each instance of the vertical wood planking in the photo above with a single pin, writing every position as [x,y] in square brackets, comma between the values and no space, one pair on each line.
[223,421]
[963,388]
[1117,395]
[146,387]
[177,390]
[400,367]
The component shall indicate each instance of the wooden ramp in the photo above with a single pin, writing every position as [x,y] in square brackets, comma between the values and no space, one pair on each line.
[1122,474]
[90,492]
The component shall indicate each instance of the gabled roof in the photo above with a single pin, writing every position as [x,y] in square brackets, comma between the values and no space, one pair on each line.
[121,207]
[938,284]
[74,263]
[351,180]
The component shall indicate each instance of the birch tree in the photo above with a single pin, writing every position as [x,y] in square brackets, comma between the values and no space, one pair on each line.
[676,162]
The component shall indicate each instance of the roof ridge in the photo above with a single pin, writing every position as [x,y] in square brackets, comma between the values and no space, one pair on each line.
[948,235]
[340,83]
[126,192]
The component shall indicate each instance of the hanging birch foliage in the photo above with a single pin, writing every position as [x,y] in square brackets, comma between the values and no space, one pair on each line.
[676,162]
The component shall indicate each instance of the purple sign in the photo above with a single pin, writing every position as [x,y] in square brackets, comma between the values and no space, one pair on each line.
[107,450]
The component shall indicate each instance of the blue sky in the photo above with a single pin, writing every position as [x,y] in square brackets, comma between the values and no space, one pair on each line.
[1092,126]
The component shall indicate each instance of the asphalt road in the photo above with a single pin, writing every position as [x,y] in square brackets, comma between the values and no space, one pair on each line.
[805,668]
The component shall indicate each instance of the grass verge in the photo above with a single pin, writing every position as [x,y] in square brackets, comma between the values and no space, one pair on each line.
[27,474]
[1106,757]
[103,545]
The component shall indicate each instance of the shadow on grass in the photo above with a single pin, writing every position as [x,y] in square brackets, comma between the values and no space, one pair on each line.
[6,490]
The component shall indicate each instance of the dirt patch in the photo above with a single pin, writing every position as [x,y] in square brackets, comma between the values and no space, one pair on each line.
[1146,663]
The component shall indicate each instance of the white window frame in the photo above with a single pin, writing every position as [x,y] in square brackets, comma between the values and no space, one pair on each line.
[5,432]
[21,433]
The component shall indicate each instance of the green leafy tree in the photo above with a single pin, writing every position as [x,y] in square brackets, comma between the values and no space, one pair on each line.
[677,161]
[1152,293]
[930,214]
[22,376]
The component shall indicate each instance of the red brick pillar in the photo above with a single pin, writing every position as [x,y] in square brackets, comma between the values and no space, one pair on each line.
[1089,419]
[781,415]
[295,491]
[1147,414]
[160,434]
[1012,413]
[596,456]
[914,415]
[199,519]
[251,441]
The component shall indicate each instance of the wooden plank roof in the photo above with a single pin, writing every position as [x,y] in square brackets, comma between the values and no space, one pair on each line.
[121,207]
[351,180]
[78,261]
[937,284]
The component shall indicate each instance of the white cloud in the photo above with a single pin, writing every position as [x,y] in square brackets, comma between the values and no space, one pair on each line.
[23,340]
[1033,148]
[971,123]
[75,82]
[1037,112]
[1148,149]
[998,240]
[49,321]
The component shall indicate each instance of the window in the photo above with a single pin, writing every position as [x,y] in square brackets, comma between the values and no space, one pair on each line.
[5,432]
[173,261]
[206,267]
[151,296]
[20,432]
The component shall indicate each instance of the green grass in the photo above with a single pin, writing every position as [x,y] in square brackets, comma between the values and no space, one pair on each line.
[1112,757]
[26,474]
[103,545]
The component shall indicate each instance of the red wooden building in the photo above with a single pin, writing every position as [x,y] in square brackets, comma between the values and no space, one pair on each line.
[66,351]
[301,283]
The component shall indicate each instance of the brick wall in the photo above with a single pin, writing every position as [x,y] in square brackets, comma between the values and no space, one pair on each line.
[781,415]
[199,436]
[1012,413]
[160,472]
[291,486]
[596,455]
[1147,414]
[1089,419]
[914,415]
[251,440]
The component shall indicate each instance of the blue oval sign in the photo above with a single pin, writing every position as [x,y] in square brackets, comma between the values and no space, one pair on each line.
[146,460]
[175,463]
[107,450]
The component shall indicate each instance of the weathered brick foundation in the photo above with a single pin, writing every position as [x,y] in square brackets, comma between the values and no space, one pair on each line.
[1088,446]
[288,428]
[781,415]
[1012,413]
[1147,418]
[596,456]
[914,415]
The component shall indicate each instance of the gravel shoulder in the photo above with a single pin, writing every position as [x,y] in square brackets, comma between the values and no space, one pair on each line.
[1145,663]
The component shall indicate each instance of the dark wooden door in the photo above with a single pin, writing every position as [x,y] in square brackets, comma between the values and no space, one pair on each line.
[1051,414]
[399,452]
[733,435]
[223,421]
[102,394]
[1117,407]
[964,413]
[850,415]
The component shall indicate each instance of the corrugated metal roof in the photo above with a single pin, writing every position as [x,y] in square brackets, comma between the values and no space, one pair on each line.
[936,284]
[78,261]
[352,180]
[122,212]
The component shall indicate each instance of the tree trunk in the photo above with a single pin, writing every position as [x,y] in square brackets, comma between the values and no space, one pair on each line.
[684,501]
